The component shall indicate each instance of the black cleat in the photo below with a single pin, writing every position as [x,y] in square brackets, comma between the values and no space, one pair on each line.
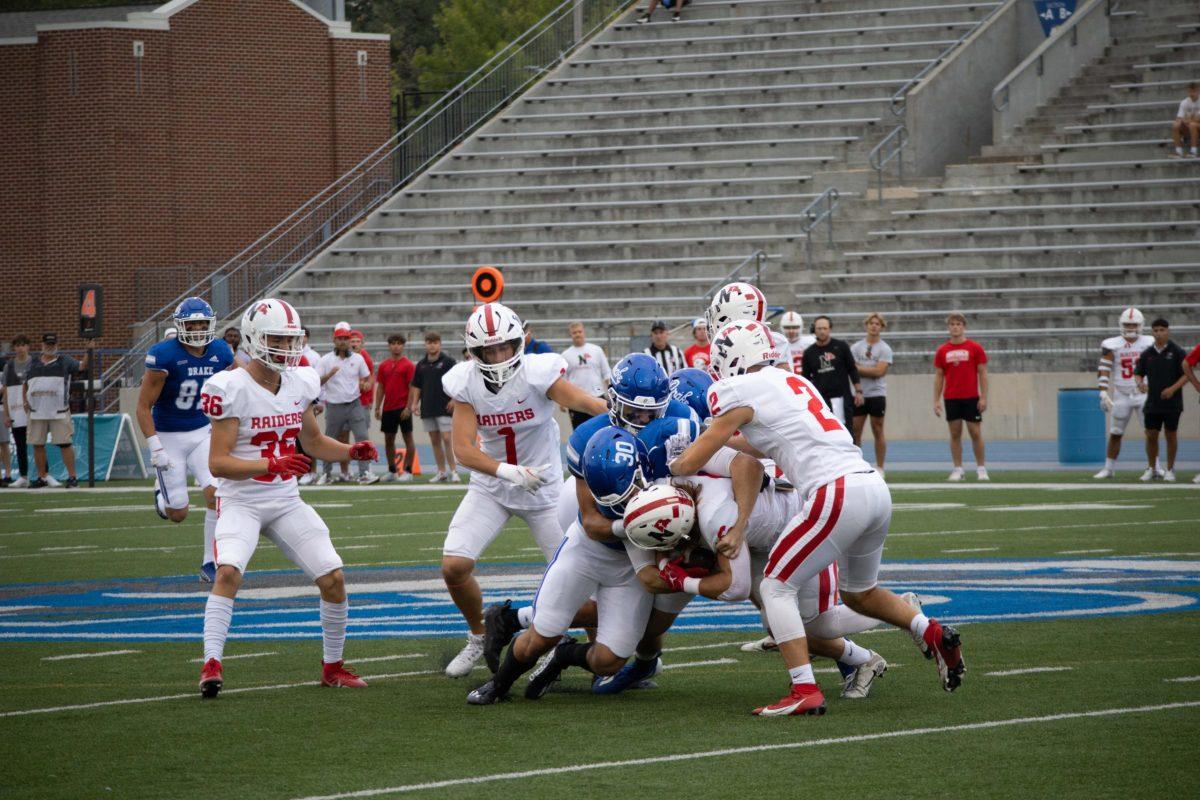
[500,625]
[541,680]
[486,695]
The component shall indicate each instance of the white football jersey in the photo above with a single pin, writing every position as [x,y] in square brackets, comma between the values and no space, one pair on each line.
[716,511]
[797,349]
[1125,358]
[268,424]
[791,425]
[785,350]
[516,424]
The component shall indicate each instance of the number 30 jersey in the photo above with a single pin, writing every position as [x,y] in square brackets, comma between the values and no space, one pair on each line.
[268,424]
[178,405]
[516,425]
[791,425]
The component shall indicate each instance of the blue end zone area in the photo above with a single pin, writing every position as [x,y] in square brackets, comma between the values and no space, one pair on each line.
[412,603]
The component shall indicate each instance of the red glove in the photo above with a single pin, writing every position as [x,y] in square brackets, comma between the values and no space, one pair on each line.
[292,466]
[693,571]
[363,451]
[673,575]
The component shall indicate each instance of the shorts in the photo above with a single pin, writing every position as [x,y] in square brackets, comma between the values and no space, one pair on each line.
[5,435]
[346,417]
[1124,406]
[480,517]
[188,453]
[60,429]
[1157,420]
[435,424]
[290,523]
[966,408]
[874,406]
[391,421]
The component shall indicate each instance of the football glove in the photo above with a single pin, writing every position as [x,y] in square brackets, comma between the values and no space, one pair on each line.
[292,466]
[158,455]
[1106,403]
[363,451]
[528,478]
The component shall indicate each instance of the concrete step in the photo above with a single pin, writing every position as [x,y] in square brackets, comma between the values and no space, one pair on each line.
[773,109]
[699,82]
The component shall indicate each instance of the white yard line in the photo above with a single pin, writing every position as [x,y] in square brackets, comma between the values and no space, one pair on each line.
[239,655]
[1186,679]
[972,550]
[356,661]
[71,656]
[1026,671]
[1083,552]
[705,646]
[714,662]
[1025,528]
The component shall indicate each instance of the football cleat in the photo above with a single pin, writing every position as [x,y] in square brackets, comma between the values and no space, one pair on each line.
[439,478]
[211,680]
[1105,473]
[981,473]
[1149,475]
[500,625]
[914,601]
[946,645]
[545,676]
[208,572]
[455,477]
[159,506]
[486,695]
[337,675]
[793,704]
[53,482]
[20,483]
[367,478]
[633,675]
[858,684]
[1169,475]
[956,474]
[465,661]
[763,645]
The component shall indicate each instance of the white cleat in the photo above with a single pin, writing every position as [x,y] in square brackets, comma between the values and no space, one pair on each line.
[1149,475]
[763,645]
[956,475]
[1169,476]
[858,683]
[1194,480]
[388,477]
[467,658]
[23,483]
[915,602]
[455,477]
[343,477]
[323,479]
[367,478]
[404,477]
[307,480]
[1105,474]
[53,482]
[439,478]
[981,474]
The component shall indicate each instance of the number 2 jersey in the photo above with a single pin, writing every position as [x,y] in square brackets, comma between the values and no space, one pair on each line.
[516,425]
[1125,355]
[791,425]
[268,425]
[178,405]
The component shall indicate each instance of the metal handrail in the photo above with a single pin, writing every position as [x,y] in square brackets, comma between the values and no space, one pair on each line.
[289,244]
[812,218]
[1037,57]
[885,151]
[758,258]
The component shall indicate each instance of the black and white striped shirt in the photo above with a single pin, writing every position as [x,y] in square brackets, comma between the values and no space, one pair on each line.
[670,357]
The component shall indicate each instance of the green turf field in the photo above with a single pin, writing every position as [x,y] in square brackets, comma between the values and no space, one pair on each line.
[1094,587]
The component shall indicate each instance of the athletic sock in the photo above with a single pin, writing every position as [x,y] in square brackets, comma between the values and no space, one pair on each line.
[525,616]
[854,655]
[919,624]
[210,532]
[218,613]
[510,670]
[803,676]
[573,654]
[1110,463]
[651,655]
[333,629]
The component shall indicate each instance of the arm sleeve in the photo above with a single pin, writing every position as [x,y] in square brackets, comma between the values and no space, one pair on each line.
[885,352]
[740,580]
[311,385]
[1181,113]
[364,370]
[720,463]
[723,396]
[806,369]
[156,360]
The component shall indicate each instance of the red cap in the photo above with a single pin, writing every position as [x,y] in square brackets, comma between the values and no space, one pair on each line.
[357,333]
[341,332]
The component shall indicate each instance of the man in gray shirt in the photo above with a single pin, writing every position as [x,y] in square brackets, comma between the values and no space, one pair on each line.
[872,356]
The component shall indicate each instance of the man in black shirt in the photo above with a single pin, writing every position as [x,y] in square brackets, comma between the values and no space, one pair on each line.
[829,365]
[1160,374]
[428,396]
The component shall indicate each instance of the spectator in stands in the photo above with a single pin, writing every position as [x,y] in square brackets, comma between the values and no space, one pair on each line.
[960,377]
[1187,120]
[872,357]
[1160,373]
[47,402]
[428,396]
[829,365]
[698,354]
[233,338]
[344,375]
[793,329]
[674,5]
[532,345]
[667,354]
[1189,369]
[587,368]
[394,376]
[16,371]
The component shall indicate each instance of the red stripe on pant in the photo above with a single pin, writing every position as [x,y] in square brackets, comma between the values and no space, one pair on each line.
[839,493]
[823,591]
[793,536]
[834,599]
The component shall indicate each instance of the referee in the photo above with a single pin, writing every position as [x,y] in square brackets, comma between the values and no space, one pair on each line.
[1160,374]
[829,365]
[669,357]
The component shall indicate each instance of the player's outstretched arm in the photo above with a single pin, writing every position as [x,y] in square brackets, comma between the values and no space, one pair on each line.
[317,444]
[221,461]
[570,396]
[747,477]
[719,431]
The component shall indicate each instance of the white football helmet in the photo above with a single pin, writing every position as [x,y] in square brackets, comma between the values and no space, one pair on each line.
[659,517]
[741,345]
[792,321]
[733,302]
[1131,316]
[271,317]
[493,323]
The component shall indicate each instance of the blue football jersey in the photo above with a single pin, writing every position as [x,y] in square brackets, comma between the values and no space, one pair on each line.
[579,438]
[178,405]
[655,437]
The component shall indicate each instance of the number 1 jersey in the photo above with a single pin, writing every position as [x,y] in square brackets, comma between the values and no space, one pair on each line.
[178,405]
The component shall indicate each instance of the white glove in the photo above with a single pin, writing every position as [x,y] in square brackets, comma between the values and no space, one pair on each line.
[158,455]
[676,443]
[528,478]
[1106,403]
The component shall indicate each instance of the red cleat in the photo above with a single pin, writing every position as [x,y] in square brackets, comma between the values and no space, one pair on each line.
[795,703]
[210,679]
[946,646]
[336,674]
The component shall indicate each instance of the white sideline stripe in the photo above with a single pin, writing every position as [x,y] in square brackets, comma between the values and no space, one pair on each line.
[239,655]
[89,655]
[1187,679]
[701,647]
[1024,528]
[1083,552]
[761,748]
[357,661]
[1026,671]
[711,663]
[971,550]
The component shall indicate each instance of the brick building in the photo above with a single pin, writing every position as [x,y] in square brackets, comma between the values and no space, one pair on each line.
[144,149]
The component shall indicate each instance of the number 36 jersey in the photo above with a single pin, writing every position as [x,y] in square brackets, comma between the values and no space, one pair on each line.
[268,424]
[178,405]
[791,425]
[516,425]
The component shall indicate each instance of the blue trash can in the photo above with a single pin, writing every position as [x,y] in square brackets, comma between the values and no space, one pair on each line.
[1081,437]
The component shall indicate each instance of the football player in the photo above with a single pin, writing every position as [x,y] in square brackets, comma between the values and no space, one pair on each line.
[744,301]
[792,325]
[505,433]
[844,518]
[169,414]
[258,413]
[1122,352]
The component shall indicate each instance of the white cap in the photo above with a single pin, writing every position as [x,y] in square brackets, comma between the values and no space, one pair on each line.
[699,322]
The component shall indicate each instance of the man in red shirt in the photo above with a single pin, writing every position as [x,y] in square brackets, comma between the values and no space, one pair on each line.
[697,355]
[961,379]
[391,406]
[1189,368]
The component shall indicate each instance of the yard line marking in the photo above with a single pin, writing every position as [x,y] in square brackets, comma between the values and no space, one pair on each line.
[711,663]
[1083,552]
[165,526]
[1024,528]
[91,509]
[69,547]
[701,647]
[89,655]
[1187,679]
[357,661]
[1000,485]
[239,655]
[1065,507]
[971,550]
[761,748]
[1026,671]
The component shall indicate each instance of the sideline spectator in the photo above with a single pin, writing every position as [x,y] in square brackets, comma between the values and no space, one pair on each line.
[428,395]
[532,345]
[961,378]
[872,357]
[666,354]
[47,402]
[698,355]
[793,325]
[1189,367]
[344,375]
[675,5]
[1187,120]
[16,371]
[829,365]
[394,376]
[233,338]
[5,439]
[587,368]
[356,344]
[1161,375]
[310,358]
[310,355]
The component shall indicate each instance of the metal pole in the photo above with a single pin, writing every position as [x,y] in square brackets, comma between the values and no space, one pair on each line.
[91,423]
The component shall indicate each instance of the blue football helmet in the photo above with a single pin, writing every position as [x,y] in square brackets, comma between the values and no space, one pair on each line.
[690,386]
[615,466]
[187,314]
[639,392]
